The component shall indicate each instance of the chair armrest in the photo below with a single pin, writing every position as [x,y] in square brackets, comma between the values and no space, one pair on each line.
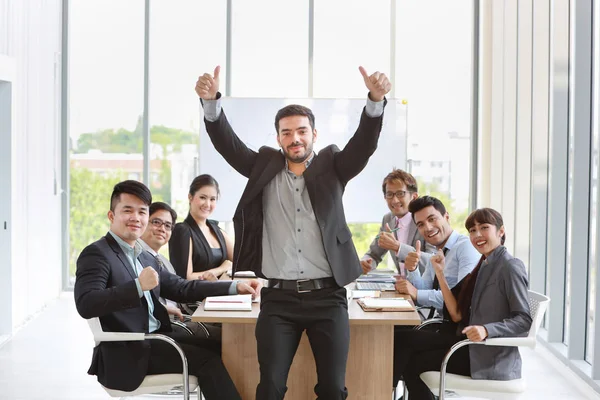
[511,341]
[429,322]
[118,336]
[183,326]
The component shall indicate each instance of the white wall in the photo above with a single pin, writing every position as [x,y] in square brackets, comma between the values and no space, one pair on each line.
[30,32]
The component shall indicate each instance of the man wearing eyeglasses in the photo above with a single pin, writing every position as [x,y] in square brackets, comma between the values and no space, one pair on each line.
[397,227]
[157,234]
[161,221]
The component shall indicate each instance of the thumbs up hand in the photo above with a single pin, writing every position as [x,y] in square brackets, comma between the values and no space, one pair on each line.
[207,86]
[412,258]
[387,240]
[377,83]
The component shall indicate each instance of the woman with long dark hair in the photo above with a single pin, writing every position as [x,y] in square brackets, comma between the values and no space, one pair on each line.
[492,301]
[198,248]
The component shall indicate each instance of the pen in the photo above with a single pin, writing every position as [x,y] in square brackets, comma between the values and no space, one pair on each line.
[391,231]
[225,301]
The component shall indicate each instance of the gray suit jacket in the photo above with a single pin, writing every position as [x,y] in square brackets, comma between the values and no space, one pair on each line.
[500,302]
[376,253]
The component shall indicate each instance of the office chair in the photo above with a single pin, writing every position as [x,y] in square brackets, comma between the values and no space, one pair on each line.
[426,324]
[151,383]
[440,381]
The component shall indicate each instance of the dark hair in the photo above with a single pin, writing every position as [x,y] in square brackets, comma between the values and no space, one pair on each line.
[135,188]
[159,205]
[203,180]
[482,216]
[293,110]
[398,175]
[425,201]
[485,216]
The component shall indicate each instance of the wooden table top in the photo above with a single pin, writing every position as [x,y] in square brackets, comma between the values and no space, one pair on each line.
[357,315]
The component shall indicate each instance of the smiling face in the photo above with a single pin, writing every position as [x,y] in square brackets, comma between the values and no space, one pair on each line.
[129,219]
[157,234]
[486,237]
[296,138]
[434,226]
[400,197]
[203,202]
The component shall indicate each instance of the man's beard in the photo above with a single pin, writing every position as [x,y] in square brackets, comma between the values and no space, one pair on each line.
[299,159]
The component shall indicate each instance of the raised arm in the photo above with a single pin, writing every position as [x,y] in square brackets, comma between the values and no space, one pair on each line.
[438,262]
[353,158]
[226,142]
[375,253]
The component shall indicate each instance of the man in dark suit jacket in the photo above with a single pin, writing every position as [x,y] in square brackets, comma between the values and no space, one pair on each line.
[397,227]
[291,229]
[121,284]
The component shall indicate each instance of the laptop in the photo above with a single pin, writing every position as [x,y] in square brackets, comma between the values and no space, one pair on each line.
[375,281]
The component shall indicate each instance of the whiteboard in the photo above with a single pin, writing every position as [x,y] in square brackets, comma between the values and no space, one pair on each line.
[336,120]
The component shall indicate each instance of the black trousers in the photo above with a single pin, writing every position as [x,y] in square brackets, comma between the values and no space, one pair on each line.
[204,362]
[284,315]
[416,352]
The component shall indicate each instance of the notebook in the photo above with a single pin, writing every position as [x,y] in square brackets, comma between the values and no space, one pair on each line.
[238,302]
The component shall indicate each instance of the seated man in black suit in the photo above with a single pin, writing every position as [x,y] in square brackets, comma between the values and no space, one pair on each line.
[121,284]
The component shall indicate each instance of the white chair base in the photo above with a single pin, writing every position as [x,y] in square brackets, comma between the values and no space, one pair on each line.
[155,384]
[477,388]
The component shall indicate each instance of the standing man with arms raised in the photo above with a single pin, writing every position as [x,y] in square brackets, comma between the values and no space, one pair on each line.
[291,229]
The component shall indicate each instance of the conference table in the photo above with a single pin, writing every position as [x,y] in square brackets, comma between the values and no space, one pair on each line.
[369,367]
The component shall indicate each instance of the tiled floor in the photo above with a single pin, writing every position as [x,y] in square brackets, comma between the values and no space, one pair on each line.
[49,357]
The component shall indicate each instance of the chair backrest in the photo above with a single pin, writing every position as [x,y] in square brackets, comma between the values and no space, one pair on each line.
[538,303]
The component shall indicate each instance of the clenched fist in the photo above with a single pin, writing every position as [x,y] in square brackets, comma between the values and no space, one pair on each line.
[438,261]
[207,86]
[377,83]
[148,278]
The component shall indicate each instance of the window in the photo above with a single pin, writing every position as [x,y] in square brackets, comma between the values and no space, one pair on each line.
[106,67]
[433,73]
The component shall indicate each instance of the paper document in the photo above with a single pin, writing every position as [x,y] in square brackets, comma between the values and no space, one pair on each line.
[238,302]
[387,303]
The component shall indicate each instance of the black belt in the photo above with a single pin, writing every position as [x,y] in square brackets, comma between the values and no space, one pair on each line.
[302,285]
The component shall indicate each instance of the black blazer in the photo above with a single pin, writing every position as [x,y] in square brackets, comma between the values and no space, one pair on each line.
[326,180]
[202,255]
[105,288]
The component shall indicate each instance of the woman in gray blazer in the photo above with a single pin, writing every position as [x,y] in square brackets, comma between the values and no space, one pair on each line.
[492,301]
